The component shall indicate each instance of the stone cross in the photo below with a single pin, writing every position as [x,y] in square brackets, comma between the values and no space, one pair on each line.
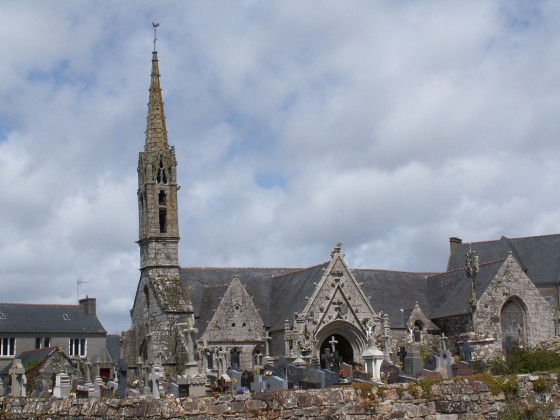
[386,337]
[442,338]
[87,366]
[155,376]
[267,340]
[190,330]
[472,271]
[19,380]
[332,343]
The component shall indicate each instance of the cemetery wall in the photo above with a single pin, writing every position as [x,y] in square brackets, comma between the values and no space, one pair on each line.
[451,399]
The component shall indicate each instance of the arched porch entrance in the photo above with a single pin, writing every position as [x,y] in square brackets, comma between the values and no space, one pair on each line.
[348,340]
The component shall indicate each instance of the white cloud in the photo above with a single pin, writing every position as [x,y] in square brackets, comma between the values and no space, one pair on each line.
[388,126]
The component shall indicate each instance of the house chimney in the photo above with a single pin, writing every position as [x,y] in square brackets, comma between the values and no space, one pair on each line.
[454,243]
[89,305]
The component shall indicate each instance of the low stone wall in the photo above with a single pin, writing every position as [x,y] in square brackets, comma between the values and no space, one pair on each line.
[451,399]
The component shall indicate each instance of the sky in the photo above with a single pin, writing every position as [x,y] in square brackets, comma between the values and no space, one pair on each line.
[387,126]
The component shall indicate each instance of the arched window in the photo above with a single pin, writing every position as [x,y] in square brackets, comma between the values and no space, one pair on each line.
[235,359]
[513,324]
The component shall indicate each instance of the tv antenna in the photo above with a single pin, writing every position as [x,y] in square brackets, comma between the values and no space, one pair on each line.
[78,283]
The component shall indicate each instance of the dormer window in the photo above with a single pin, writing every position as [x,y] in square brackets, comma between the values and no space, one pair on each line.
[3,315]
[66,317]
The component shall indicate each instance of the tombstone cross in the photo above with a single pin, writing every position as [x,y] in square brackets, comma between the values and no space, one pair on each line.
[442,339]
[332,343]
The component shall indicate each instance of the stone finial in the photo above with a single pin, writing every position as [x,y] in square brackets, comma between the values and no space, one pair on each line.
[336,249]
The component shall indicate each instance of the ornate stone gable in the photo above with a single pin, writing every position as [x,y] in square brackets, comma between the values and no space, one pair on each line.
[338,297]
[236,319]
[511,295]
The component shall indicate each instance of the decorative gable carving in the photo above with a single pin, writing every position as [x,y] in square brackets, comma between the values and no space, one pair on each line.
[338,296]
[236,319]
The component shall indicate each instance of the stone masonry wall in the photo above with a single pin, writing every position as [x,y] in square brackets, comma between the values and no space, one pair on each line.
[451,399]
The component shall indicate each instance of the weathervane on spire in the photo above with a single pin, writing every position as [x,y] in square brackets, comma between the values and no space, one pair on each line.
[155,25]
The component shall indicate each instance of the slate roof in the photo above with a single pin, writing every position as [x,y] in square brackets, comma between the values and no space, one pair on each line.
[208,285]
[47,319]
[30,356]
[539,256]
[449,293]
[392,291]
[113,347]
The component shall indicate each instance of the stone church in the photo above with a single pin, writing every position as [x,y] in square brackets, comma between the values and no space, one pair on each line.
[187,319]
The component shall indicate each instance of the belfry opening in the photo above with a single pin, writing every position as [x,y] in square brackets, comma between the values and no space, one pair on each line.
[341,345]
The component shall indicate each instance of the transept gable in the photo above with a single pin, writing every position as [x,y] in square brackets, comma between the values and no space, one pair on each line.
[338,297]
[236,318]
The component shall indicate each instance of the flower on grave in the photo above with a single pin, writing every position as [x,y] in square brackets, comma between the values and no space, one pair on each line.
[343,374]
[267,373]
[242,390]
[135,383]
[233,380]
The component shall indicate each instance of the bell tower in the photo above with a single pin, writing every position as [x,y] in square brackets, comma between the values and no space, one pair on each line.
[157,186]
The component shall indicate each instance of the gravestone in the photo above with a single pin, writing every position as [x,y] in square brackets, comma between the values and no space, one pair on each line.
[156,375]
[345,371]
[281,366]
[413,362]
[294,376]
[462,369]
[122,368]
[274,383]
[105,391]
[19,380]
[431,362]
[247,379]
[390,372]
[132,393]
[445,360]
[430,374]
[235,377]
[313,379]
[258,384]
[272,369]
[62,385]
[41,389]
[466,351]
[402,355]
[172,389]
[331,378]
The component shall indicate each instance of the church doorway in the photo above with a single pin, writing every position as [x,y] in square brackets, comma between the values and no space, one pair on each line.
[513,324]
[340,345]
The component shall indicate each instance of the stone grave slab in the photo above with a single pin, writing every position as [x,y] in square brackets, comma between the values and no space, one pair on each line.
[235,379]
[345,371]
[294,376]
[331,378]
[445,360]
[275,383]
[390,371]
[313,379]
[258,384]
[425,373]
[172,389]
[431,362]
[413,362]
[462,369]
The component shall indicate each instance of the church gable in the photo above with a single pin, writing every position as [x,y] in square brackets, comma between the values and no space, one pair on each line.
[511,298]
[236,318]
[338,297]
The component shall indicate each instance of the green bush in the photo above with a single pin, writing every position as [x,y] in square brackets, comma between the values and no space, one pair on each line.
[520,360]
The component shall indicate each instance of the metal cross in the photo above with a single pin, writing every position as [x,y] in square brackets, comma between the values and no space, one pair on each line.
[155,25]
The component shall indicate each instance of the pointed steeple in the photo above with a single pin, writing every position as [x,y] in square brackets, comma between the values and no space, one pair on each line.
[156,130]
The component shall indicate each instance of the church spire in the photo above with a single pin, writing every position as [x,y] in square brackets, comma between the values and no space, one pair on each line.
[156,130]
[157,185]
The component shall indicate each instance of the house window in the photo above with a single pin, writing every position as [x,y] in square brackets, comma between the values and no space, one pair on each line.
[77,347]
[8,346]
[42,342]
